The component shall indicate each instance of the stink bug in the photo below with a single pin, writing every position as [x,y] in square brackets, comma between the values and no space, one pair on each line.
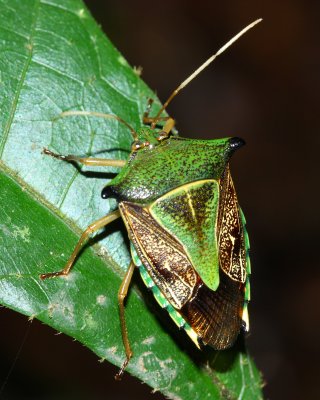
[186,229]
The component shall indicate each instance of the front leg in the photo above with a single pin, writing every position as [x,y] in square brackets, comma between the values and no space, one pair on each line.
[91,162]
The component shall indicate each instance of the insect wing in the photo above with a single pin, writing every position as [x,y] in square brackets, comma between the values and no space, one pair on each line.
[232,248]
[216,315]
[161,254]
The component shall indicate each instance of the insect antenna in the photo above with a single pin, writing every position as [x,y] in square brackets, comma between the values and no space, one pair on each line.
[99,115]
[200,69]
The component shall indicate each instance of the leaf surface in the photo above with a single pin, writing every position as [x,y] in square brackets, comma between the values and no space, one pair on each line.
[54,58]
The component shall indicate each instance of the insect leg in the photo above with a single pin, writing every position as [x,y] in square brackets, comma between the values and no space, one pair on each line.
[95,226]
[165,132]
[149,120]
[148,109]
[92,162]
[122,293]
[153,121]
[168,125]
[72,113]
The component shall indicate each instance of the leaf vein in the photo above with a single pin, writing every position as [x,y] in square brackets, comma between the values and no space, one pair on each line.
[54,5]
[37,62]
[67,188]
[21,81]
[3,28]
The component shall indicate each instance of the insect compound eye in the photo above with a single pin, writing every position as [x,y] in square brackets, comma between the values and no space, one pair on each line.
[136,145]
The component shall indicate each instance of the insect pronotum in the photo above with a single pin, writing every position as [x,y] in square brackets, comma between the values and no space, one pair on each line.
[186,229]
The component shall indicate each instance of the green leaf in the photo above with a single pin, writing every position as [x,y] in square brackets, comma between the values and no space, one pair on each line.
[54,58]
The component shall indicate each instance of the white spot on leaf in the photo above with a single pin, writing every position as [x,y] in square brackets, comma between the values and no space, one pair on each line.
[101,300]
[112,350]
[158,370]
[149,340]
[89,321]
[22,233]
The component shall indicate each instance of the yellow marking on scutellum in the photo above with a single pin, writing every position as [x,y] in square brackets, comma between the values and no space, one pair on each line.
[194,216]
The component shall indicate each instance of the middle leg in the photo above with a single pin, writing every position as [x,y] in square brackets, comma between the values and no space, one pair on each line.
[123,291]
[95,226]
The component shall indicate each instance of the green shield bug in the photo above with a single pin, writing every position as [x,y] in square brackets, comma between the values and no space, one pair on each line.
[186,229]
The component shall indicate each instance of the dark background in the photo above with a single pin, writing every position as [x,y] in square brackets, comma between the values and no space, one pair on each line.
[265,88]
